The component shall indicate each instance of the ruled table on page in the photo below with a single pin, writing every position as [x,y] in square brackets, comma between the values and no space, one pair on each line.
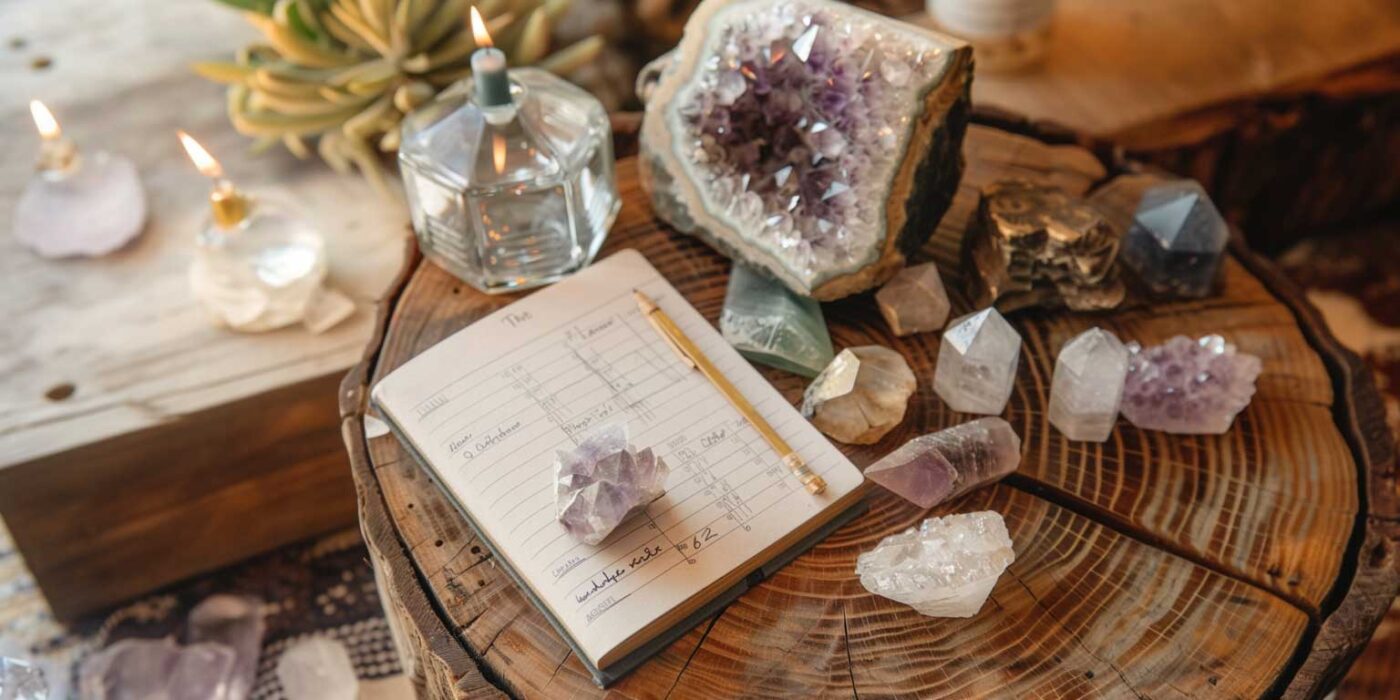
[490,406]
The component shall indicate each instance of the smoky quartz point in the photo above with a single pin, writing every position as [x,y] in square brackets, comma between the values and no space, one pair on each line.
[861,395]
[1177,240]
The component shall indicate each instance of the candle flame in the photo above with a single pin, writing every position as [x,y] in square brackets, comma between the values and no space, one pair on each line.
[483,37]
[43,118]
[498,152]
[206,164]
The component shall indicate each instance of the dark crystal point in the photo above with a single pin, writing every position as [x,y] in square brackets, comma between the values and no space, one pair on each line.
[1177,240]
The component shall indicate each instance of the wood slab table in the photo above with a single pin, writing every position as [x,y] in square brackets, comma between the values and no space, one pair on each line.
[1153,565]
[139,443]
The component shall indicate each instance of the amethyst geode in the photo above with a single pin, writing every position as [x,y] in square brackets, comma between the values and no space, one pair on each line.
[817,141]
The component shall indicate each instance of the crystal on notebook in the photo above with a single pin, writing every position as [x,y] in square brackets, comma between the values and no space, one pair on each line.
[603,481]
[945,568]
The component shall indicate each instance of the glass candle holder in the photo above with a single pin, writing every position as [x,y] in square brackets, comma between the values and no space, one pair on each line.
[513,195]
[261,271]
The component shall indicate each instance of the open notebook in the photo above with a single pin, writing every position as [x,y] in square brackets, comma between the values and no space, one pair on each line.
[487,408]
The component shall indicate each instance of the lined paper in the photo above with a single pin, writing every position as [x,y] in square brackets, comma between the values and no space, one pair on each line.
[489,406]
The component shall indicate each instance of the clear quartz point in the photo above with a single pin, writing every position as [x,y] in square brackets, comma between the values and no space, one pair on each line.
[946,567]
[603,482]
[861,395]
[934,468]
[772,325]
[1088,385]
[317,668]
[92,208]
[262,274]
[511,197]
[977,362]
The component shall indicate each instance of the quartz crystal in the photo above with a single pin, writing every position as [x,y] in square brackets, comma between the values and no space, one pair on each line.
[1177,239]
[236,622]
[21,680]
[604,481]
[92,208]
[1032,245]
[977,363]
[317,668]
[812,139]
[861,395]
[934,468]
[769,324]
[1186,386]
[135,669]
[945,568]
[263,274]
[1088,385]
[913,301]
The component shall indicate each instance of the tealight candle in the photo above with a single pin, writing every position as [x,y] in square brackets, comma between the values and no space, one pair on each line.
[259,265]
[76,205]
[488,67]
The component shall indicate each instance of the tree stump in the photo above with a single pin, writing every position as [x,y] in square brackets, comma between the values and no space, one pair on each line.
[1252,563]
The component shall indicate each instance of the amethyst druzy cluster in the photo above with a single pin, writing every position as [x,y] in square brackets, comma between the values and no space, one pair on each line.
[1188,386]
[811,139]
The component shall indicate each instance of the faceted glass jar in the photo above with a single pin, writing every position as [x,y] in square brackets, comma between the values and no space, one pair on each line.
[511,197]
[261,274]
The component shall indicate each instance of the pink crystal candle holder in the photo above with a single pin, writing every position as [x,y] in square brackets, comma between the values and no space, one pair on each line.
[77,205]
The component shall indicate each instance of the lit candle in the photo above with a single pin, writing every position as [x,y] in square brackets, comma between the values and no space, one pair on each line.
[228,206]
[488,67]
[56,154]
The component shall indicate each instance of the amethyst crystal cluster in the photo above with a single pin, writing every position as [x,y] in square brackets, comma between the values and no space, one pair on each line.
[1188,386]
[799,126]
[603,482]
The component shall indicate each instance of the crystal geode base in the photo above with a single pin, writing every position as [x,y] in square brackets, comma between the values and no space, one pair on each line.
[815,140]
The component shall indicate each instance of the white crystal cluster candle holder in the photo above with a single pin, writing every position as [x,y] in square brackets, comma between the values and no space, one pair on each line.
[78,204]
[259,265]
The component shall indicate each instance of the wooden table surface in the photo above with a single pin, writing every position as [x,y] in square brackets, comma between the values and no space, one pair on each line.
[111,374]
[1153,565]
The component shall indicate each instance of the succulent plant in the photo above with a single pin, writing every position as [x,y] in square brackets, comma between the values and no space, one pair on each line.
[345,72]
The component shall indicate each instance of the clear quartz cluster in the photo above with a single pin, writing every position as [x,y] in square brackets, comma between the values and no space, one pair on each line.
[604,481]
[1088,385]
[797,119]
[945,568]
[861,395]
[770,324]
[934,468]
[914,301]
[1189,387]
[977,363]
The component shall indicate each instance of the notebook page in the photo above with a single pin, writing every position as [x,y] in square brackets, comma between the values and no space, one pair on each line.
[490,405]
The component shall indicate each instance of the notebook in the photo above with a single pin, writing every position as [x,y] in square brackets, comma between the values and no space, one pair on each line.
[486,409]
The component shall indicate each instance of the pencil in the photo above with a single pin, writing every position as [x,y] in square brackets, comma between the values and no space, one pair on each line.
[685,348]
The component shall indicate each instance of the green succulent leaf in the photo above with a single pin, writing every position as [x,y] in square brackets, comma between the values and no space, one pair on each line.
[263,7]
